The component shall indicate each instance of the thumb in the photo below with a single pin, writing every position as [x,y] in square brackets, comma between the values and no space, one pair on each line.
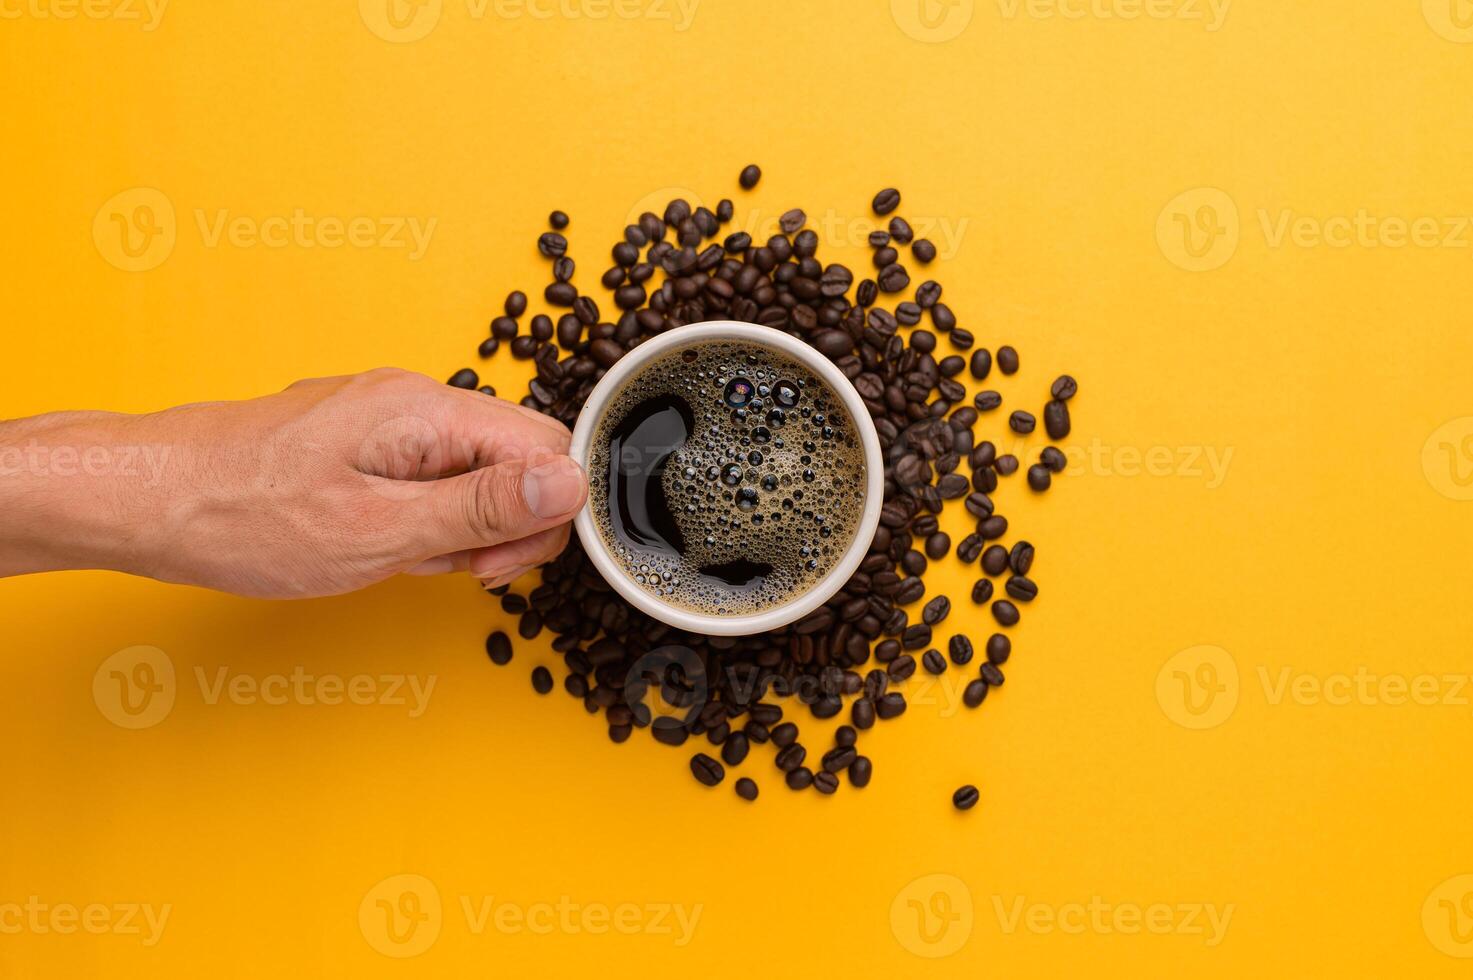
[504,502]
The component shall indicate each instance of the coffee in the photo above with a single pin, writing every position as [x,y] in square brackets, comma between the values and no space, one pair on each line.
[726,479]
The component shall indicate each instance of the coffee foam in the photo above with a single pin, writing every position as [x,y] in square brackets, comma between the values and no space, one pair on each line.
[809,483]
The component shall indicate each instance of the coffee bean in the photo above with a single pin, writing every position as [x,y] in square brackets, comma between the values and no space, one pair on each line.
[965,798]
[488,347]
[890,706]
[909,590]
[498,648]
[750,174]
[893,278]
[800,778]
[558,220]
[916,636]
[464,378]
[993,527]
[792,220]
[707,770]
[974,693]
[825,782]
[860,772]
[942,318]
[952,486]
[937,545]
[1064,388]
[908,315]
[960,648]
[979,505]
[934,662]
[839,758]
[995,560]
[1053,459]
[1039,477]
[523,348]
[885,256]
[981,591]
[514,604]
[983,455]
[791,757]
[1007,360]
[970,548]
[901,668]
[886,201]
[541,680]
[1056,419]
[1005,612]
[991,674]
[746,788]
[999,648]
[560,294]
[845,736]
[1020,559]
[923,251]
[987,401]
[551,244]
[785,734]
[735,749]
[914,562]
[936,610]
[1022,588]
[1022,422]
[862,714]
[1006,464]
[981,365]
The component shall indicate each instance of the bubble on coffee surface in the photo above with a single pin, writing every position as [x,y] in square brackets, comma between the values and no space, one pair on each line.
[746,473]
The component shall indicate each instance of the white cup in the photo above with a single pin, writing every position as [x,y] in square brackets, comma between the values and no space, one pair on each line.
[698,334]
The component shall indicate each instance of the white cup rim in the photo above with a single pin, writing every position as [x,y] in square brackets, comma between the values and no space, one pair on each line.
[773,339]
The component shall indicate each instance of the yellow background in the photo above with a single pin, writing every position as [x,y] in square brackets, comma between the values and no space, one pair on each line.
[1051,146]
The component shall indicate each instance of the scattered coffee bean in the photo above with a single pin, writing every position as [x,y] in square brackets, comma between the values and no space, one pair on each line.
[541,680]
[1053,459]
[552,245]
[960,648]
[825,782]
[800,778]
[965,798]
[707,770]
[1022,422]
[558,220]
[860,771]
[1007,360]
[498,648]
[746,789]
[923,250]
[936,610]
[1064,388]
[1039,477]
[974,693]
[1005,612]
[981,365]
[995,560]
[1022,588]
[933,662]
[991,674]
[937,545]
[1020,558]
[999,648]
[464,378]
[1056,419]
[750,174]
[886,201]
[982,591]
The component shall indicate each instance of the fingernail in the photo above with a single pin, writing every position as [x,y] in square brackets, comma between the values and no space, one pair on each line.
[553,489]
[434,566]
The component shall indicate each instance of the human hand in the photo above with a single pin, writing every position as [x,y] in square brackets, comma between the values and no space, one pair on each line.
[329,486]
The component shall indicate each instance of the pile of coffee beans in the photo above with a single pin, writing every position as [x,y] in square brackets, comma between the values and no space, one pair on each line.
[857,651]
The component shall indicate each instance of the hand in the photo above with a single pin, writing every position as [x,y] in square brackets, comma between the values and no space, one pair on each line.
[324,488]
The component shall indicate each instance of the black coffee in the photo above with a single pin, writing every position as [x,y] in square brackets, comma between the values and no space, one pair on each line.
[726,478]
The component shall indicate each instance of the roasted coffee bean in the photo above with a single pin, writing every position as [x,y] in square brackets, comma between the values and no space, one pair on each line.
[908,315]
[523,348]
[983,455]
[504,328]
[800,778]
[735,749]
[551,244]
[981,365]
[1053,459]
[923,250]
[1039,478]
[845,736]
[541,680]
[901,668]
[756,733]
[746,789]
[970,548]
[951,366]
[942,318]
[666,731]
[960,648]
[995,560]
[886,651]
[560,294]
[839,758]
[914,562]
[987,401]
[516,303]
[991,674]
[1006,464]
[558,220]
[1056,419]
[974,693]
[1022,588]
[514,604]
[915,636]
[985,480]
[1022,422]
[792,220]
[707,770]
[835,281]
[979,505]
[965,798]
[1007,360]
[885,256]
[952,486]
[464,378]
[934,662]
[937,545]
[791,757]
[891,705]
[569,330]
[825,782]
[860,772]
[999,648]
[886,201]
[862,714]
[982,591]
[750,174]
[784,734]
[1005,612]
[498,648]
[936,610]
[1020,559]
[910,590]
[562,272]
[993,527]
[893,278]
[1064,388]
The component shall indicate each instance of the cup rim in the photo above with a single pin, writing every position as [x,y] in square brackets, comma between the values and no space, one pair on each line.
[864,532]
